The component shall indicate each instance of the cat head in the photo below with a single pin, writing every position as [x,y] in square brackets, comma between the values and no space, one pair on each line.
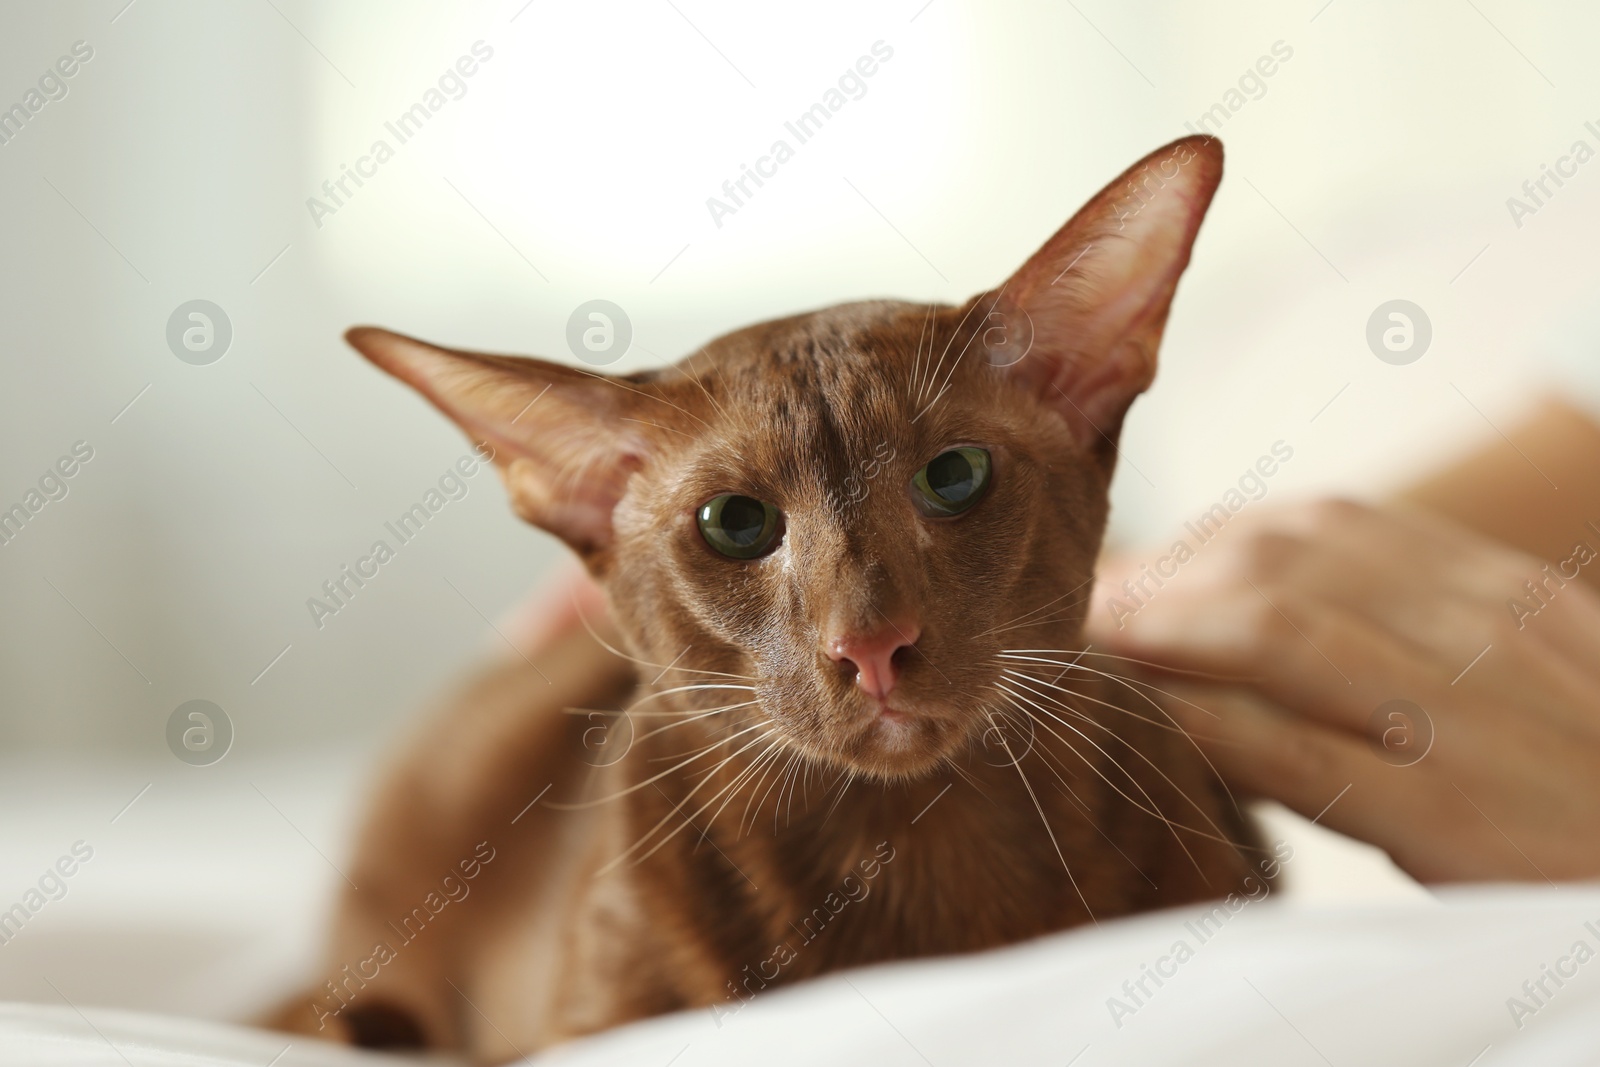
[854,511]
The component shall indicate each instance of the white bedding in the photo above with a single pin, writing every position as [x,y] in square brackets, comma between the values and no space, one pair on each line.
[204,901]
[1275,983]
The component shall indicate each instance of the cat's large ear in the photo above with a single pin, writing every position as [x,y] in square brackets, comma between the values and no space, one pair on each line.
[1088,308]
[566,441]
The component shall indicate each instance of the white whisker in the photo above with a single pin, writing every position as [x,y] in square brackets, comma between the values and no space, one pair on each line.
[678,807]
[662,667]
[695,718]
[1218,836]
[1128,685]
[1143,663]
[654,778]
[1050,832]
[1154,811]
[776,781]
[1018,701]
[738,779]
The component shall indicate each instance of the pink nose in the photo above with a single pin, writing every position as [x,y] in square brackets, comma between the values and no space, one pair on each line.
[872,655]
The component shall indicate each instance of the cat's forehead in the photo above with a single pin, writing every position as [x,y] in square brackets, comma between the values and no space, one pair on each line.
[861,359]
[834,348]
[826,382]
[808,399]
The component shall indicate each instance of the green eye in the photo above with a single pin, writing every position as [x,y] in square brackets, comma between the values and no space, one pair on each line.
[952,481]
[739,527]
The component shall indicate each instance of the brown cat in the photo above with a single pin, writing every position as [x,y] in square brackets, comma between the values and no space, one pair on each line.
[848,555]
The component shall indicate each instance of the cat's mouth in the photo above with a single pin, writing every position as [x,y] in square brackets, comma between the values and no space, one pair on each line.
[898,737]
[895,736]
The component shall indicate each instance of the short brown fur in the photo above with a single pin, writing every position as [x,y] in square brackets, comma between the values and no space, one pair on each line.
[1011,793]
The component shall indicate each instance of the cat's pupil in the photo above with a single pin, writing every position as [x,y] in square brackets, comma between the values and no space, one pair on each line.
[742,520]
[739,527]
[951,476]
[952,482]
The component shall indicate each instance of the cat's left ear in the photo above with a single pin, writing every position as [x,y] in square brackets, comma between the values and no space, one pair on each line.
[1080,323]
[566,441]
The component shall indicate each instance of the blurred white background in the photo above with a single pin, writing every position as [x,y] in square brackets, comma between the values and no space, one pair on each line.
[1375,163]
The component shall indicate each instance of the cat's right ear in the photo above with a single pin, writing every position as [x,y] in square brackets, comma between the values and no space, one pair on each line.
[1080,323]
[566,441]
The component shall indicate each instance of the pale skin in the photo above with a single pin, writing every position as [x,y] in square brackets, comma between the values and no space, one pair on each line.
[1325,611]
[1295,625]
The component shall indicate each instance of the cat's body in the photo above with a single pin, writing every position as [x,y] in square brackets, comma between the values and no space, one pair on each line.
[834,547]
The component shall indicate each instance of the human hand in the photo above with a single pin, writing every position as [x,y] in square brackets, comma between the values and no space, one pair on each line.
[1325,613]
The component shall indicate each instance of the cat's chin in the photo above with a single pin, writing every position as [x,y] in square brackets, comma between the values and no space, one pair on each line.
[898,744]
